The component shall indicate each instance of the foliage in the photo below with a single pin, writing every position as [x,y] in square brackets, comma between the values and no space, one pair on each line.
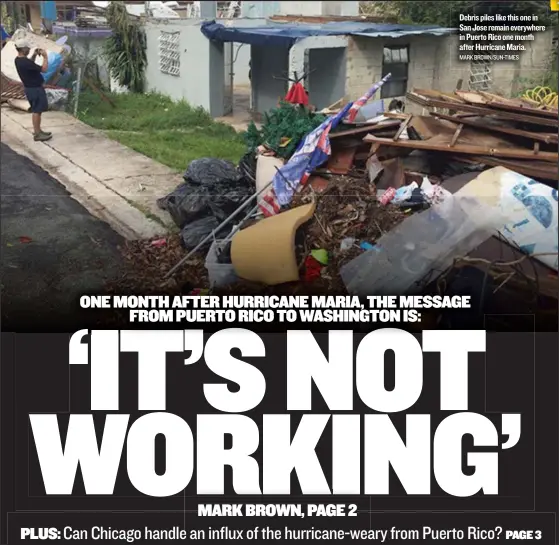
[446,13]
[283,128]
[125,49]
[173,133]
[7,21]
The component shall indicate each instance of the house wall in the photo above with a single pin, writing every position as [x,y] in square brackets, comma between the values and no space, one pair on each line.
[268,62]
[201,79]
[310,8]
[326,56]
[260,9]
[434,64]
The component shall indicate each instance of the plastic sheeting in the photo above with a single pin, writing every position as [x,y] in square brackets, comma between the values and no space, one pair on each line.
[54,63]
[422,247]
[529,209]
[285,34]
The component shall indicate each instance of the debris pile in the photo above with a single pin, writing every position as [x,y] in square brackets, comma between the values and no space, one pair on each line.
[485,129]
[370,201]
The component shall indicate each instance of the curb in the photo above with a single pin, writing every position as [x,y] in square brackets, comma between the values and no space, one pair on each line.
[99,200]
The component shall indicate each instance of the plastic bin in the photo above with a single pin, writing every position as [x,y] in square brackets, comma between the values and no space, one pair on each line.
[220,274]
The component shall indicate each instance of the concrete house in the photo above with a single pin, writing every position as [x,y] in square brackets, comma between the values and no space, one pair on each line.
[342,59]
[341,52]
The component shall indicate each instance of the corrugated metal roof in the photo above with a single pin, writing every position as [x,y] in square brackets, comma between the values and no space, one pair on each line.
[286,34]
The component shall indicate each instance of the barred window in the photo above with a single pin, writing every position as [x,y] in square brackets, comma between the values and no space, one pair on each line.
[169,53]
[395,61]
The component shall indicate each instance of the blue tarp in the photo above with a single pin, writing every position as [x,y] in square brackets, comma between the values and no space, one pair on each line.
[48,10]
[286,34]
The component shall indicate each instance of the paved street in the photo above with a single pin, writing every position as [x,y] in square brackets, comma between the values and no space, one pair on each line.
[53,250]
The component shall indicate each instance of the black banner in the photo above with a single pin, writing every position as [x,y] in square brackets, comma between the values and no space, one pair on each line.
[517,374]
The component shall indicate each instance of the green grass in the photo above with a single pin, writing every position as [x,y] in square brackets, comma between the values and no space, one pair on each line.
[173,133]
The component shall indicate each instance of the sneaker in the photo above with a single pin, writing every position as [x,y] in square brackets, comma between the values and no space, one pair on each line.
[42,137]
[47,133]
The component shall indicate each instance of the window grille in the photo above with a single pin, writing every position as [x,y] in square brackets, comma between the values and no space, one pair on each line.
[481,75]
[395,61]
[169,53]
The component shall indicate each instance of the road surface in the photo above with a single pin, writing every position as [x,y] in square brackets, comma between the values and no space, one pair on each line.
[53,250]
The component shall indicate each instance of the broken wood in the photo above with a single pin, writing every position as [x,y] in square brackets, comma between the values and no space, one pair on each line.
[341,161]
[471,97]
[521,118]
[431,93]
[403,127]
[548,138]
[456,135]
[335,104]
[532,169]
[514,153]
[523,109]
[365,128]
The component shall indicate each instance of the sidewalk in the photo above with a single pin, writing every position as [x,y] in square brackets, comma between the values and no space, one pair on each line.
[113,182]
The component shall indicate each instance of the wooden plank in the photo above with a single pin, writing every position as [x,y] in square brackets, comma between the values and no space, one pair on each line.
[532,169]
[394,115]
[366,128]
[431,93]
[456,135]
[548,138]
[471,97]
[533,120]
[403,127]
[523,109]
[513,153]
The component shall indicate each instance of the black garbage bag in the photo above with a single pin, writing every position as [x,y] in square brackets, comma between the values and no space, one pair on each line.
[187,203]
[193,233]
[212,191]
[211,172]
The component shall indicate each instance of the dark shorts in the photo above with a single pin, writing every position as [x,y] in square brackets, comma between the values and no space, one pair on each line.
[37,98]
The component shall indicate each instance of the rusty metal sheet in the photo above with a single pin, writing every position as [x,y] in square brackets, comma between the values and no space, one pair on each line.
[468,149]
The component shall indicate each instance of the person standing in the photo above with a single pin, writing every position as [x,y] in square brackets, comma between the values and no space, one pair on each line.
[31,76]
